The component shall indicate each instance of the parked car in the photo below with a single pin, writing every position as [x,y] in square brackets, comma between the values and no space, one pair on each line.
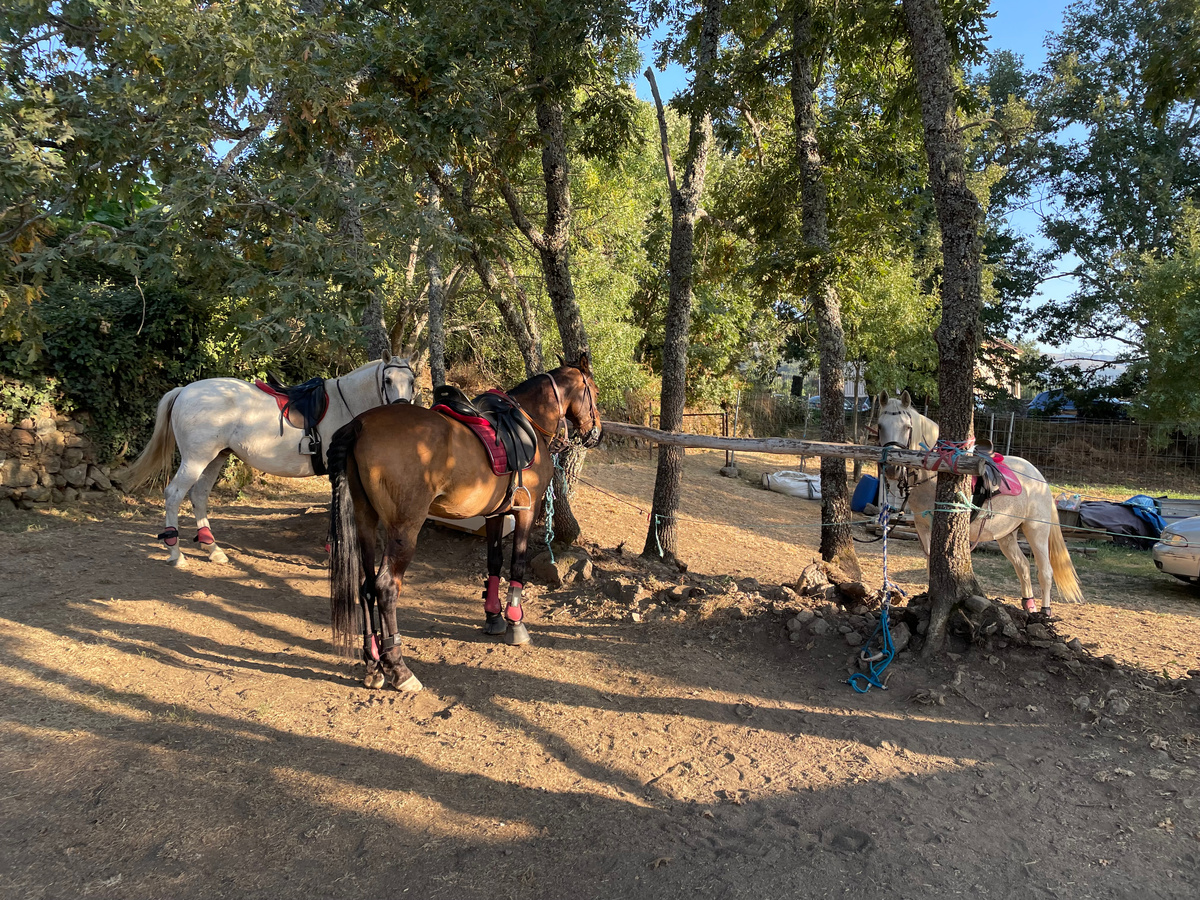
[1054,404]
[1178,550]
[864,403]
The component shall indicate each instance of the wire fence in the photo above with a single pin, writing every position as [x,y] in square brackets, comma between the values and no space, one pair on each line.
[1148,456]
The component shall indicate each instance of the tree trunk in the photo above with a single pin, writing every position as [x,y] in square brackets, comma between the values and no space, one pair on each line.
[662,538]
[837,544]
[437,321]
[951,578]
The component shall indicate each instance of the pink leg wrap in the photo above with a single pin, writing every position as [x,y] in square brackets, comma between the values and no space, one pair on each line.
[491,596]
[205,536]
[373,647]
[1030,604]
[513,611]
[170,536]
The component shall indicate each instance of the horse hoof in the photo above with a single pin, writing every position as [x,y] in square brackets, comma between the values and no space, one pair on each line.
[410,685]
[495,625]
[179,562]
[374,680]
[517,634]
[218,556]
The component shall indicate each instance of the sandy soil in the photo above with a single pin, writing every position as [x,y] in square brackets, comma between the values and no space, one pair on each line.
[189,733]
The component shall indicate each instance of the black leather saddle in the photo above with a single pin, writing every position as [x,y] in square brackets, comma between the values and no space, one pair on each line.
[305,406]
[512,427]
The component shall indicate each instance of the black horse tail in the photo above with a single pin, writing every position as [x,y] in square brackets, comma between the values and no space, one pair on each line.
[345,558]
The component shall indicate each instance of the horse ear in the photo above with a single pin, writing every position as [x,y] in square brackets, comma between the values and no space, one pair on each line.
[884,398]
[905,400]
[387,357]
[562,360]
[585,364]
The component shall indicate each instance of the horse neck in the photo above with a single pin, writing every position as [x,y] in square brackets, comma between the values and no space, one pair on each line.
[361,388]
[540,401]
[924,431]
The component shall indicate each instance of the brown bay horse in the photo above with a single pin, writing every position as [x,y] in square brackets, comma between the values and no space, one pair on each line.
[398,464]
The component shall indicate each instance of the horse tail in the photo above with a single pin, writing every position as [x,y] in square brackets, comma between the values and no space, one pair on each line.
[154,464]
[1061,565]
[345,559]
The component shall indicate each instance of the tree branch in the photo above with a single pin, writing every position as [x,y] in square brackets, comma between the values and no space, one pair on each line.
[662,132]
[519,218]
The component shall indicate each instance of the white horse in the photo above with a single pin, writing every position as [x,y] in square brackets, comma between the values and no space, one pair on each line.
[212,418]
[1032,511]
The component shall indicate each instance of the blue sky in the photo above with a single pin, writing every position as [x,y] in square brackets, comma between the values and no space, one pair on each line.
[1018,25]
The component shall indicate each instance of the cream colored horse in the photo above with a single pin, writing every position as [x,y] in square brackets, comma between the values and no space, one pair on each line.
[212,418]
[1032,511]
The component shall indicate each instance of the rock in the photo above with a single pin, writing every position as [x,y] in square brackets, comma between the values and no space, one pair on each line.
[796,637]
[853,591]
[844,629]
[729,471]
[38,494]
[56,496]
[1111,661]
[16,474]
[922,626]
[52,464]
[804,616]
[100,480]
[794,625]
[736,612]
[7,506]
[1075,644]
[786,595]
[70,495]
[812,580]
[1011,631]
[858,623]
[901,636]
[1038,632]
[25,425]
[635,617]
[977,603]
[627,593]
[1061,651]
[76,475]
[678,594]
[72,456]
[1117,706]
[819,627]
[1041,645]
[1082,702]
[854,639]
[565,568]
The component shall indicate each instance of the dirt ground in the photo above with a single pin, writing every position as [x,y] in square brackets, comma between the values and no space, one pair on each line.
[189,733]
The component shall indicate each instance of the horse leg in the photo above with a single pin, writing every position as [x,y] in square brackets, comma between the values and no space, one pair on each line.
[517,632]
[199,497]
[190,470]
[397,554]
[1038,536]
[1012,552]
[494,622]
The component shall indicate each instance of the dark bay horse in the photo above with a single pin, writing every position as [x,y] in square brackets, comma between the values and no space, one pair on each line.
[398,464]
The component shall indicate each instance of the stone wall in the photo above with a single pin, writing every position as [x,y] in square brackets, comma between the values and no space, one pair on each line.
[46,460]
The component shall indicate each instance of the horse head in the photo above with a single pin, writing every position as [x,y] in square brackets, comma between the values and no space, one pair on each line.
[396,380]
[579,398]
[900,425]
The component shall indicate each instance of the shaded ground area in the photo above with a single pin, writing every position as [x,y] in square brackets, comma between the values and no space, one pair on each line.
[188,733]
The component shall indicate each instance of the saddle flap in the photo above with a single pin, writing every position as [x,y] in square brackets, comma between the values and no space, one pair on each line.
[498,422]
[303,405]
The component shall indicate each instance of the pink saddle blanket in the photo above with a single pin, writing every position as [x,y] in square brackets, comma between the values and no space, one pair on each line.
[483,429]
[1010,484]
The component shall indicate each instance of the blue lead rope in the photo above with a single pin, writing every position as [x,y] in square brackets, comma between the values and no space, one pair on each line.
[549,507]
[877,663]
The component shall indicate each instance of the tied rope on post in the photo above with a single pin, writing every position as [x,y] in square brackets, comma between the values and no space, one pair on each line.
[877,662]
[548,508]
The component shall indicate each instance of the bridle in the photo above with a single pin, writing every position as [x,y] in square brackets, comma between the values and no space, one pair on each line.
[383,400]
[557,441]
[906,480]
[380,386]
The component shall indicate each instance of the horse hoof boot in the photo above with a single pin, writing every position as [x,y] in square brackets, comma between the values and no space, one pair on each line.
[495,625]
[409,685]
[517,634]
[374,680]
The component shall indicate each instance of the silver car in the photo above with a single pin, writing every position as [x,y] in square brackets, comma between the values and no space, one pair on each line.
[1178,550]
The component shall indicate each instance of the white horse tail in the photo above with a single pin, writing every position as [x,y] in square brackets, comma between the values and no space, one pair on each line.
[155,462]
[1061,565]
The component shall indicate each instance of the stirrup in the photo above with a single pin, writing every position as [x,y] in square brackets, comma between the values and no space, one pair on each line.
[513,507]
